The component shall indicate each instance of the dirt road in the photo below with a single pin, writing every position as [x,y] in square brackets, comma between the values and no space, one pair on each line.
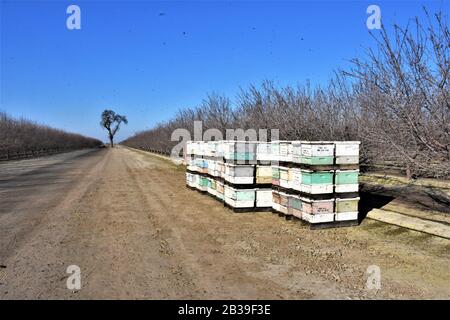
[127,220]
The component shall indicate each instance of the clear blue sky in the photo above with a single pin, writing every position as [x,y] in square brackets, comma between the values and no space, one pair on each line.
[147,59]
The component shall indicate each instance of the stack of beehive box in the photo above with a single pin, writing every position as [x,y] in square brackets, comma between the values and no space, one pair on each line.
[313,181]
[197,167]
[322,184]
[346,180]
[263,175]
[231,172]
[281,183]
[247,176]
[239,161]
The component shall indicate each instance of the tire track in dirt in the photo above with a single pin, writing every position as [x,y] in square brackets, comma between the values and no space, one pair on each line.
[35,266]
[160,201]
[125,255]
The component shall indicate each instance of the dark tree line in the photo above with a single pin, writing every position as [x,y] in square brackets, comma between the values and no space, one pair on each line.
[21,136]
[395,100]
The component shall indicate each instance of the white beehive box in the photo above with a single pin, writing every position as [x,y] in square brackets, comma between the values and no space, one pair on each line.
[285,151]
[284,209]
[220,169]
[207,148]
[275,150]
[194,180]
[191,165]
[199,148]
[263,198]
[239,174]
[264,151]
[347,152]
[313,152]
[346,216]
[317,148]
[211,167]
[284,177]
[296,151]
[317,189]
[190,147]
[216,151]
[318,218]
[191,179]
[346,181]
[219,196]
[311,206]
[239,204]
[345,188]
[347,148]
[239,147]
[347,205]
[220,149]
[295,178]
[317,182]
[240,198]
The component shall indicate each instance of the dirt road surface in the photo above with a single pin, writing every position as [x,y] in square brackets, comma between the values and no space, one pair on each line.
[128,221]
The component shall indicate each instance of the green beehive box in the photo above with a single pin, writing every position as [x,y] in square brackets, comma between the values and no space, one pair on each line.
[316,160]
[242,156]
[275,173]
[296,203]
[347,205]
[346,176]
[317,177]
[203,182]
[275,147]
[245,195]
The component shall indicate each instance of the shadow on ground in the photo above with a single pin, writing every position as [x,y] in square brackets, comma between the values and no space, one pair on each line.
[421,198]
[369,201]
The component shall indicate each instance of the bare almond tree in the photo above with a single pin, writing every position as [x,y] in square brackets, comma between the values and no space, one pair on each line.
[403,94]
[111,122]
[395,99]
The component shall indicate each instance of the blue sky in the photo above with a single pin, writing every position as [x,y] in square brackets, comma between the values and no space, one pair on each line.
[147,59]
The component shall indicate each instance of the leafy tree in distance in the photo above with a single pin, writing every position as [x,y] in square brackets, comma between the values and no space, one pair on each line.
[111,122]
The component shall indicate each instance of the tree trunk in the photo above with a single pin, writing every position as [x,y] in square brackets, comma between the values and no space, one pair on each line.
[408,172]
[111,141]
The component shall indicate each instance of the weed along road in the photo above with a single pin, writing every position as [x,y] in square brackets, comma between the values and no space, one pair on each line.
[126,220]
